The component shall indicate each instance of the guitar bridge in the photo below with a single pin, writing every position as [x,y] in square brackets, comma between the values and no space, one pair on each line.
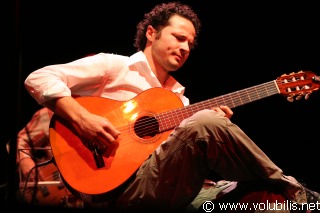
[97,155]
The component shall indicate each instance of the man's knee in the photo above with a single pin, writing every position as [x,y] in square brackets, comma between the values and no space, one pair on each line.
[207,120]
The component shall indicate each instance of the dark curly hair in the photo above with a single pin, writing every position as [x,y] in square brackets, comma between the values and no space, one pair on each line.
[158,18]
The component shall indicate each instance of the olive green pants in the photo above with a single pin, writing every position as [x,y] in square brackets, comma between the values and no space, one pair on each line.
[173,175]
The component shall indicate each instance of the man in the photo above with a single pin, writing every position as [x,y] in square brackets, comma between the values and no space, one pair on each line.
[174,173]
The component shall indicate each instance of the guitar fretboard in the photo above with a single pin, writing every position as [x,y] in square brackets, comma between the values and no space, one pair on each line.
[170,119]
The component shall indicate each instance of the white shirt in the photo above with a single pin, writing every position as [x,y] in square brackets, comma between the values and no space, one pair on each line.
[107,75]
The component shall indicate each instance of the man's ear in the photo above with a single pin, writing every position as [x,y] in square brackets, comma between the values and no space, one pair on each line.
[150,33]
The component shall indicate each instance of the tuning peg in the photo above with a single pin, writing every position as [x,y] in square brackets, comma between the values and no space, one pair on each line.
[306,97]
[316,78]
[298,97]
[290,98]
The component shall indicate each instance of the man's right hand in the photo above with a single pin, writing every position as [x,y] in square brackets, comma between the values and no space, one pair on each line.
[89,127]
[97,129]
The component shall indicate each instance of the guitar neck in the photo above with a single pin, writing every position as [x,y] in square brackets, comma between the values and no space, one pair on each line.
[170,119]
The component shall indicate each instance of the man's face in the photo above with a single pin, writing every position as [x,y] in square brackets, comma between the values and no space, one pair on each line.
[173,43]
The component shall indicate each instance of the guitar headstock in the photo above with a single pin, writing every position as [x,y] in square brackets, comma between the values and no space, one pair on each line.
[297,85]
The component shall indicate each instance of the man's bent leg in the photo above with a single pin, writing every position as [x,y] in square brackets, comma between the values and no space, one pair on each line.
[174,173]
[238,158]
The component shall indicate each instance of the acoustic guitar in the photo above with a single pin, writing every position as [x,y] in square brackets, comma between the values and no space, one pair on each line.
[145,122]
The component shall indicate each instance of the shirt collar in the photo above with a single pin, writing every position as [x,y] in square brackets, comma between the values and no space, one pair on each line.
[138,61]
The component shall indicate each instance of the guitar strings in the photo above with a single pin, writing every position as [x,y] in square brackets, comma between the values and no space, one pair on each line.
[51,174]
[149,126]
[170,119]
[163,121]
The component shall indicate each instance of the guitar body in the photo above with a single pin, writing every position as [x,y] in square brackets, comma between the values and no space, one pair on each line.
[76,162]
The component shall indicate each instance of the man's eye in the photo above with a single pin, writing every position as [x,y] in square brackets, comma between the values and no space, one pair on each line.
[180,38]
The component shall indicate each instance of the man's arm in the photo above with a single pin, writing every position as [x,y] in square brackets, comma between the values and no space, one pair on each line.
[90,126]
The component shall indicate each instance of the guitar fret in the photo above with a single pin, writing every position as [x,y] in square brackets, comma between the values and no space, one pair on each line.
[170,119]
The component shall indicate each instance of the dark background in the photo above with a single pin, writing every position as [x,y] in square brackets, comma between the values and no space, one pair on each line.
[241,45]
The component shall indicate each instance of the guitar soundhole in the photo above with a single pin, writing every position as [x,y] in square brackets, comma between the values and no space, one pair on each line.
[146,127]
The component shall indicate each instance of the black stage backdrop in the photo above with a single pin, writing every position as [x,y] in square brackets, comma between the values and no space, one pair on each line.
[241,45]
